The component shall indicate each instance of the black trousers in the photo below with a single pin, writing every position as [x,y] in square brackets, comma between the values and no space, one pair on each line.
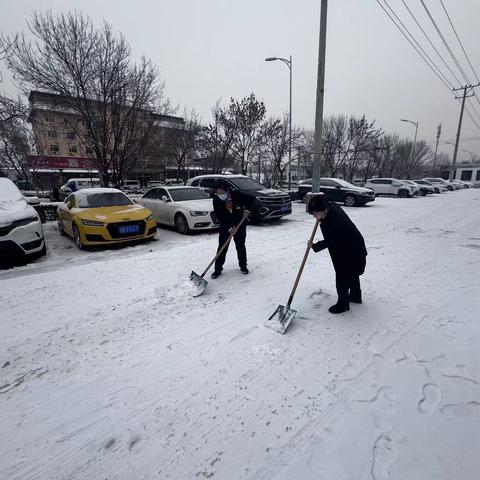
[347,284]
[239,240]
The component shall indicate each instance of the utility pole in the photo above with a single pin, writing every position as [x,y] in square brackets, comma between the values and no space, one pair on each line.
[466,89]
[439,132]
[317,149]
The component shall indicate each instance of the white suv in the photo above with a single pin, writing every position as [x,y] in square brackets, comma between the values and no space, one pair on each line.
[21,231]
[390,186]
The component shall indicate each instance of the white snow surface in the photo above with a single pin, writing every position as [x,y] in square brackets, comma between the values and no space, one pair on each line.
[109,369]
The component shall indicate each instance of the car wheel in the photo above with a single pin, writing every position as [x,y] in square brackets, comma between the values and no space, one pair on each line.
[61,230]
[76,236]
[403,194]
[304,198]
[181,224]
[350,200]
[423,193]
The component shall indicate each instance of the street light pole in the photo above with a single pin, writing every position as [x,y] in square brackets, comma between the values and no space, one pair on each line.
[415,139]
[439,131]
[317,148]
[288,63]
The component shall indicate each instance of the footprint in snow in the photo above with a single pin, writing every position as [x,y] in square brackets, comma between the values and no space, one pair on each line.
[383,456]
[431,397]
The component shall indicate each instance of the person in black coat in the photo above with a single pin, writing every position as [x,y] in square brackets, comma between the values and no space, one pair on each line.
[230,207]
[346,247]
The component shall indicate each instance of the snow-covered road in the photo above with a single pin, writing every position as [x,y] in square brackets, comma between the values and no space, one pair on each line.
[108,369]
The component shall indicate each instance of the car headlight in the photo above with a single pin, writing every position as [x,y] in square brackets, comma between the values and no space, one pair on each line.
[198,213]
[92,223]
[150,217]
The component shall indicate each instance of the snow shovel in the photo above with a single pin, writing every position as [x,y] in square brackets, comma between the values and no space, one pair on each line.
[283,315]
[198,281]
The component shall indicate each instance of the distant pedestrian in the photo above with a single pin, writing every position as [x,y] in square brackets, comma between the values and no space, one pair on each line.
[346,247]
[56,193]
[230,207]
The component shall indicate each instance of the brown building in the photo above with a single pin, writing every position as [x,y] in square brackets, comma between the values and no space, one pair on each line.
[62,151]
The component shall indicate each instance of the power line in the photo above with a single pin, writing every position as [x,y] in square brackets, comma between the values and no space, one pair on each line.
[445,42]
[418,44]
[459,41]
[471,118]
[473,108]
[431,43]
[411,43]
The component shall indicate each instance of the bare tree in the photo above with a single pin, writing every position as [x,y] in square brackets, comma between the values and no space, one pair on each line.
[247,117]
[216,141]
[181,143]
[90,72]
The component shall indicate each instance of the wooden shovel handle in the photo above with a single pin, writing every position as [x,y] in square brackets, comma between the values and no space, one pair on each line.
[224,246]
[300,271]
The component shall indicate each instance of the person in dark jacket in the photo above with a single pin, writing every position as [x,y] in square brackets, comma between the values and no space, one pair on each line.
[56,193]
[346,247]
[230,208]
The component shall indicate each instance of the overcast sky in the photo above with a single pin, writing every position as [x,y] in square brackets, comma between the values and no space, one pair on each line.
[215,49]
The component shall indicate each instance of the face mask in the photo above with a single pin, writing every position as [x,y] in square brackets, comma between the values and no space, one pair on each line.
[223,196]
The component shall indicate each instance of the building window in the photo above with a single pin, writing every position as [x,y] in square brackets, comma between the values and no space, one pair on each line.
[466,175]
[72,149]
[71,135]
[52,134]
[54,148]
[477,177]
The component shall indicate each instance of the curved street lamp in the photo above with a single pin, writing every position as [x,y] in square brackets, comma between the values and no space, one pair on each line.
[288,63]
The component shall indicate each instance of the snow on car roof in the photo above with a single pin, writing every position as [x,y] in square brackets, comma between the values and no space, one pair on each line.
[230,175]
[91,191]
[9,191]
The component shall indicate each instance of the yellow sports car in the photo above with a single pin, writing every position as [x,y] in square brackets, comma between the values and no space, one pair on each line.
[101,216]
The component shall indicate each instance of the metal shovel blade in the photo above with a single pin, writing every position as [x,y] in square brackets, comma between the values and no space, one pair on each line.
[199,284]
[281,319]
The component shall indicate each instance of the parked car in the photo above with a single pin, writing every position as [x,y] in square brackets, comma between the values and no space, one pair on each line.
[424,188]
[459,184]
[440,181]
[21,231]
[416,188]
[437,188]
[101,216]
[463,183]
[455,185]
[338,190]
[75,184]
[131,186]
[267,204]
[185,208]
[174,181]
[389,186]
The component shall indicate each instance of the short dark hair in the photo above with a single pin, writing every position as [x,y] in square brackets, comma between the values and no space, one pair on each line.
[222,185]
[317,203]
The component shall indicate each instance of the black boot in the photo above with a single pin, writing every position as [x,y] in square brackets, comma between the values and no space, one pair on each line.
[244,270]
[339,308]
[355,297]
[216,275]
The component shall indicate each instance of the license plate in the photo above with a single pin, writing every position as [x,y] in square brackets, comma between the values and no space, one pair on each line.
[125,229]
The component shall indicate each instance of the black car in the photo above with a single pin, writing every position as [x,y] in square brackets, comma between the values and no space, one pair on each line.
[337,190]
[268,204]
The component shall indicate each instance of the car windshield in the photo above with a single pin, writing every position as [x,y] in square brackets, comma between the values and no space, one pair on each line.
[104,199]
[8,191]
[185,194]
[247,184]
